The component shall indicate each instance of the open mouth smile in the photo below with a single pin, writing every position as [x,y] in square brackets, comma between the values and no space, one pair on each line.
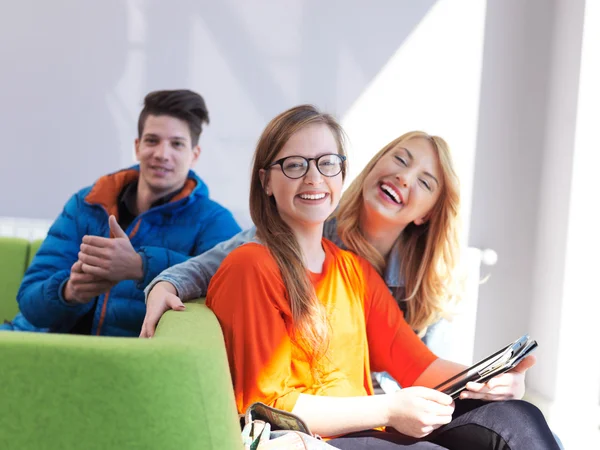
[391,193]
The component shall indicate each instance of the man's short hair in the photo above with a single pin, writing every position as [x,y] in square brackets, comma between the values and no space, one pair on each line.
[182,104]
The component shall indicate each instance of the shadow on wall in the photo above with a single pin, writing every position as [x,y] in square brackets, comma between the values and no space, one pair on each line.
[60,59]
[306,40]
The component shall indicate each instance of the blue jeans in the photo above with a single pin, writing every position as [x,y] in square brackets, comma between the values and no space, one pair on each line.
[476,425]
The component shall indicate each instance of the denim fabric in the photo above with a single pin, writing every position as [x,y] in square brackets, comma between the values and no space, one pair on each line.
[476,425]
[192,277]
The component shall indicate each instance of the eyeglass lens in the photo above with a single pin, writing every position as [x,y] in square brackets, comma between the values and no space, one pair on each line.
[296,166]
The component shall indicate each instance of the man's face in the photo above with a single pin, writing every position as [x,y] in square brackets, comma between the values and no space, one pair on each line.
[165,154]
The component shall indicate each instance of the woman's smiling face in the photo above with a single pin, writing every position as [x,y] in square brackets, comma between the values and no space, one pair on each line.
[404,184]
[308,200]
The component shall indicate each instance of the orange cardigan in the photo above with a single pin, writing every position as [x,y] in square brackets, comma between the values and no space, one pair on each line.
[368,330]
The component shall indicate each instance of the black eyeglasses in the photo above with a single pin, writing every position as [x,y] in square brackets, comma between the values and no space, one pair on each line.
[294,167]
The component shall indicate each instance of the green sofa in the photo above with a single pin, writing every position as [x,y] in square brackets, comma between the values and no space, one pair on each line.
[15,256]
[74,392]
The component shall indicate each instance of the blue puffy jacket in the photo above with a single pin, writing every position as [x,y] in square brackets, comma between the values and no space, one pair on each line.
[165,235]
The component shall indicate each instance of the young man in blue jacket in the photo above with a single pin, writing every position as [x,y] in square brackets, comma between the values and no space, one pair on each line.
[114,237]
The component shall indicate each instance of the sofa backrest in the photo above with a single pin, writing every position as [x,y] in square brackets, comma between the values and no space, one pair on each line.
[15,256]
[34,246]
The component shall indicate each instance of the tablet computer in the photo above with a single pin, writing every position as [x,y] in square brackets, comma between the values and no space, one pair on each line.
[486,369]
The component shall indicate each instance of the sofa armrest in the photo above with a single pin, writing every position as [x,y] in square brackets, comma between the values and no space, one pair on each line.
[72,392]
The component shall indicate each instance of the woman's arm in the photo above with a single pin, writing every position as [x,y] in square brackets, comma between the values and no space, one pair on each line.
[186,281]
[393,345]
[159,300]
[331,416]
[415,411]
[438,372]
[397,350]
[192,277]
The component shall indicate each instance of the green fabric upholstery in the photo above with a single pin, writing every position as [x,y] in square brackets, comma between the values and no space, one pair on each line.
[34,246]
[72,392]
[14,254]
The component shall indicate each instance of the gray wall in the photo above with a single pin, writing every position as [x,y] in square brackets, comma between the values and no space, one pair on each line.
[535,193]
[74,74]
[509,160]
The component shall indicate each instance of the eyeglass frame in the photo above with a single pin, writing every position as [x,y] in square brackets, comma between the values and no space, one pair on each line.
[279,162]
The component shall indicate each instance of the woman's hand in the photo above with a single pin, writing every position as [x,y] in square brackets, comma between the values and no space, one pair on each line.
[417,411]
[506,386]
[161,298]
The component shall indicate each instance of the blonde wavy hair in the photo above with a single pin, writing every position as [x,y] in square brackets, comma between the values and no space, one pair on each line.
[310,326]
[429,252]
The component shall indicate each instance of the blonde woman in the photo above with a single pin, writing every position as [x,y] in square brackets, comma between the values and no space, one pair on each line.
[304,321]
[403,220]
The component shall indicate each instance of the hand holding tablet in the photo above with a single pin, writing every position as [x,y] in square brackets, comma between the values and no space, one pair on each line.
[502,361]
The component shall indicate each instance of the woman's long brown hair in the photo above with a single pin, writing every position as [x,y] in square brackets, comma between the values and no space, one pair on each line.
[309,321]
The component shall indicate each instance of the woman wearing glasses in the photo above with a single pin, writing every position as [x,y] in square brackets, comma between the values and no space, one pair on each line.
[304,321]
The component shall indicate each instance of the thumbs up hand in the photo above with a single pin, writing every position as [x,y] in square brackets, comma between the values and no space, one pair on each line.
[113,259]
[116,229]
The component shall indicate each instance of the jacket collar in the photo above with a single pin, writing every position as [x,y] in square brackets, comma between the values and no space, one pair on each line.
[105,192]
